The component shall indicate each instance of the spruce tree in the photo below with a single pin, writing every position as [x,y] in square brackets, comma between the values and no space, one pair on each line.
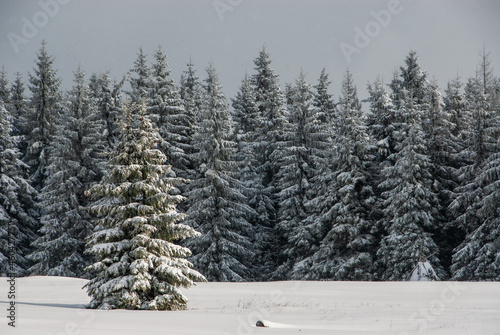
[442,148]
[18,220]
[321,195]
[345,251]
[217,207]
[166,111]
[140,82]
[293,178]
[191,92]
[20,112]
[408,200]
[410,82]
[107,96]
[476,258]
[4,87]
[139,264]
[75,163]
[382,120]
[270,102]
[46,105]
[247,123]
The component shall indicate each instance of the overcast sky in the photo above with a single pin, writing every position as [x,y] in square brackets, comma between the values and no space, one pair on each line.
[370,37]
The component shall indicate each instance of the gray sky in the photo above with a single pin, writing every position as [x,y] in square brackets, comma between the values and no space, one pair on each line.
[299,34]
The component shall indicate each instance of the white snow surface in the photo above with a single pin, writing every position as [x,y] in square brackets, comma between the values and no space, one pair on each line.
[54,306]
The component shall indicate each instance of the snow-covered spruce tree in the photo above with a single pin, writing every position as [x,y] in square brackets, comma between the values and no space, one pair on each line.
[409,202]
[246,117]
[269,100]
[191,92]
[478,146]
[18,222]
[474,198]
[20,112]
[217,208]
[139,264]
[382,121]
[46,105]
[75,163]
[4,87]
[477,258]
[345,252]
[305,142]
[442,148]
[293,179]
[409,82]
[166,111]
[140,82]
[454,104]
[320,193]
[107,96]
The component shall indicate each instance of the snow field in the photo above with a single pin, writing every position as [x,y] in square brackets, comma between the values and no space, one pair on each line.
[54,306]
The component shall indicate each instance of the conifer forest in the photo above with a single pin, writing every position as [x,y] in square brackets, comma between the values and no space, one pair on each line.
[145,183]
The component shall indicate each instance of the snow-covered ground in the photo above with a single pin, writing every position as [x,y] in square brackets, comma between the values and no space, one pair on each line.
[54,306]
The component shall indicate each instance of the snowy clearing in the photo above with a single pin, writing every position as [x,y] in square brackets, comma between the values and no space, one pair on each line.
[54,306]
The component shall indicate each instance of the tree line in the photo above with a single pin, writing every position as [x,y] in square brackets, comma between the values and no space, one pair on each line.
[280,183]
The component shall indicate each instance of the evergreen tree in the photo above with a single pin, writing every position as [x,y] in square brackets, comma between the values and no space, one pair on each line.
[138,263]
[442,148]
[20,112]
[477,258]
[246,117]
[345,252]
[217,206]
[408,200]
[475,151]
[382,121]
[4,89]
[191,92]
[166,111]
[140,83]
[411,82]
[321,195]
[75,163]
[474,258]
[268,143]
[454,104]
[293,178]
[109,101]
[45,102]
[17,217]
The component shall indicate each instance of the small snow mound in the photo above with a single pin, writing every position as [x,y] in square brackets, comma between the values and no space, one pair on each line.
[424,272]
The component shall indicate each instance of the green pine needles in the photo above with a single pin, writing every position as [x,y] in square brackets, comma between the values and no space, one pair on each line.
[138,263]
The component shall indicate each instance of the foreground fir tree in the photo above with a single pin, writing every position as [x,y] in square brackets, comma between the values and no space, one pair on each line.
[75,163]
[17,222]
[217,207]
[138,263]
